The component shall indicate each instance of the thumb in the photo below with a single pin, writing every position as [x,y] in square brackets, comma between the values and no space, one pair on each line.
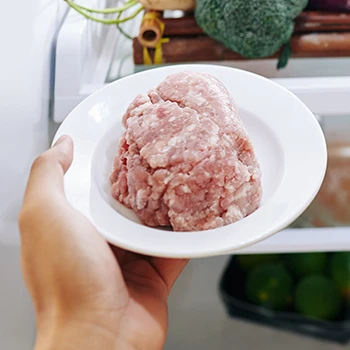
[46,175]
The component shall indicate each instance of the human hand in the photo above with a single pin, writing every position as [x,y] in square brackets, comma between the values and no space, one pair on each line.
[86,294]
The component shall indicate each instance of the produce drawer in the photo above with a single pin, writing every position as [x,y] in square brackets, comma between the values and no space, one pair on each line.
[232,285]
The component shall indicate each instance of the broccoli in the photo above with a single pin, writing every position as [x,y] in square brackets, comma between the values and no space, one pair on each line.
[252,28]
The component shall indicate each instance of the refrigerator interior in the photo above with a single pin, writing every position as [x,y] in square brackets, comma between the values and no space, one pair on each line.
[198,319]
[197,316]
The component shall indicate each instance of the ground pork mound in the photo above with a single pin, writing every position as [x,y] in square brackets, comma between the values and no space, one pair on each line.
[185,159]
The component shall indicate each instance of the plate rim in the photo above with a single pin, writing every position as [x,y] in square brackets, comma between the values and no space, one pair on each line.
[197,254]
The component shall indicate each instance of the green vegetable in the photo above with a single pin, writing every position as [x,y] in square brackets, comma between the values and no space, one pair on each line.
[249,261]
[252,28]
[284,56]
[87,13]
[318,297]
[270,286]
[340,272]
[303,264]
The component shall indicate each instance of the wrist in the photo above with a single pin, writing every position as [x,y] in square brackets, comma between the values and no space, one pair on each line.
[84,332]
[72,335]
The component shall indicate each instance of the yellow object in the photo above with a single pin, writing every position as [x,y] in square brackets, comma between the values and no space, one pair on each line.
[154,16]
[158,56]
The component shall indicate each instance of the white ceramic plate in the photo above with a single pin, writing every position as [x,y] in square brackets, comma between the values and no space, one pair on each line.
[288,141]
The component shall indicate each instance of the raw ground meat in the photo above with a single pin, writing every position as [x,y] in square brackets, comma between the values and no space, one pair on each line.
[185,159]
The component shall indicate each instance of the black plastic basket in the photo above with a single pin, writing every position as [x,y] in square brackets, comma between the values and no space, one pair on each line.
[232,293]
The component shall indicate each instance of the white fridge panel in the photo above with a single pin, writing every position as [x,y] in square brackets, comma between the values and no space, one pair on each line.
[24,103]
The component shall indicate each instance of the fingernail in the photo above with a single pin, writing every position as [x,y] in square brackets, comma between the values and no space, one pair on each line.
[62,139]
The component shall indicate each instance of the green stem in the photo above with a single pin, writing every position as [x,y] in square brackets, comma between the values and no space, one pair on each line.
[104,21]
[132,16]
[121,29]
[126,6]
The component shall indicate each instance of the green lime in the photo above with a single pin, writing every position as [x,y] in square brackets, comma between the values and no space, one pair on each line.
[269,285]
[318,297]
[248,262]
[340,272]
[305,264]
